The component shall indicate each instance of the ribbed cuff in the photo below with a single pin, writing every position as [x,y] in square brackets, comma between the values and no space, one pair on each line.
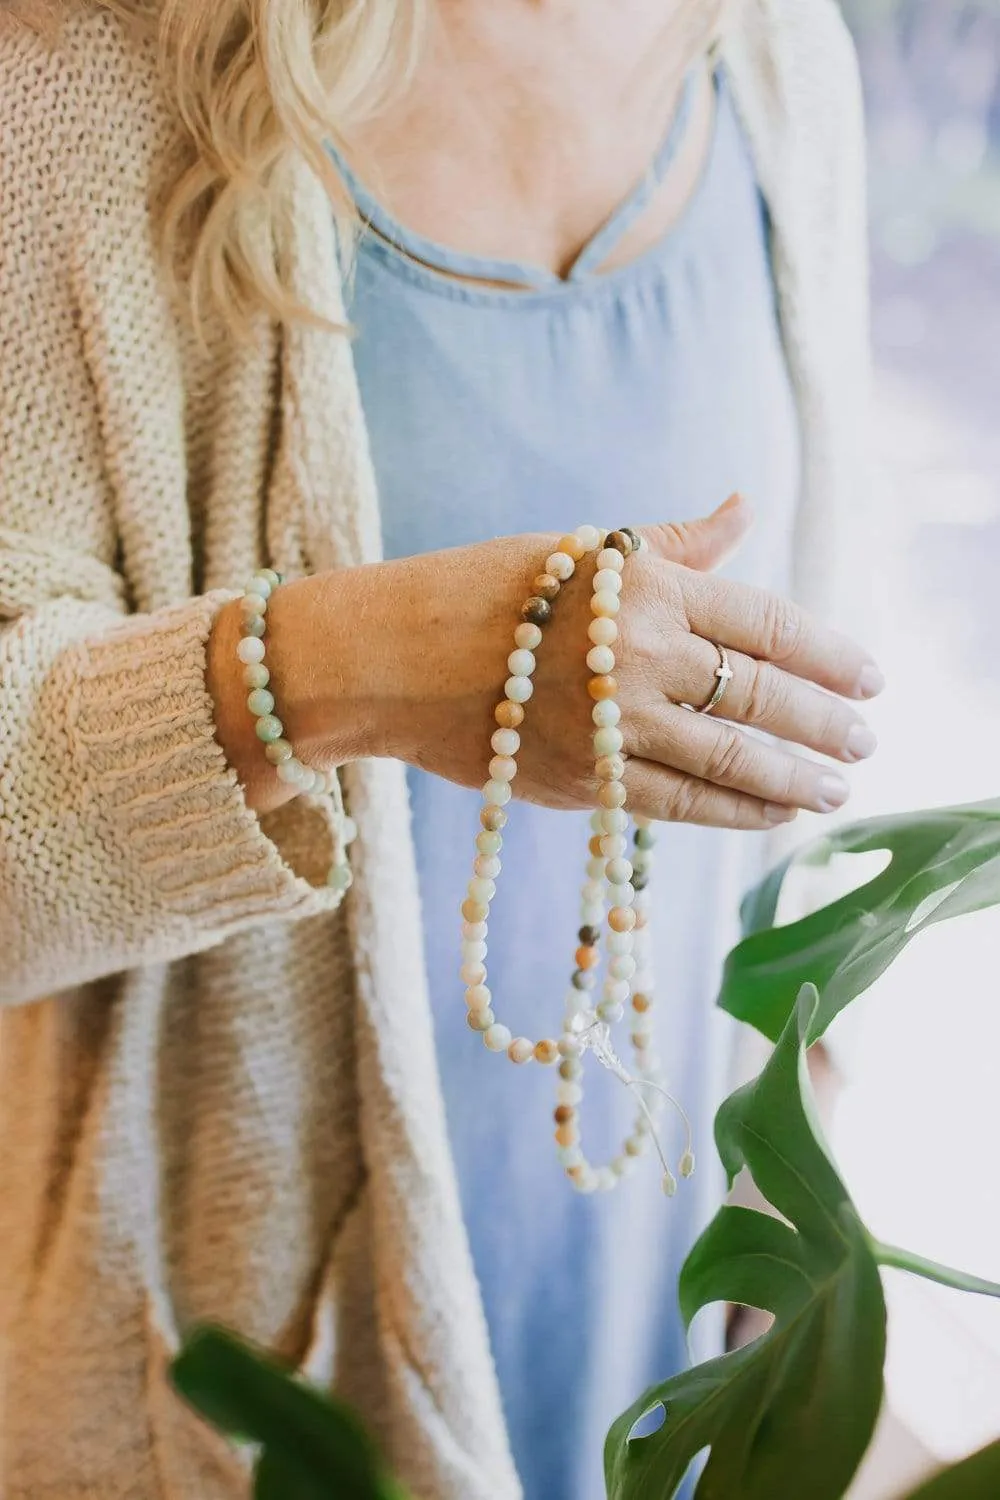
[160,790]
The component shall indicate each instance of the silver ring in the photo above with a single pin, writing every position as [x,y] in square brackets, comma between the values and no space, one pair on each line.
[725,674]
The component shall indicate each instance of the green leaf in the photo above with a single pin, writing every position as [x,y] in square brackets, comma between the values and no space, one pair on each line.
[977,1478]
[931,1270]
[804,1398]
[313,1448]
[945,863]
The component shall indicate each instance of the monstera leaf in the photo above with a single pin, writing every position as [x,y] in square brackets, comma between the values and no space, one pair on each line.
[313,1448]
[978,1478]
[944,864]
[804,1398]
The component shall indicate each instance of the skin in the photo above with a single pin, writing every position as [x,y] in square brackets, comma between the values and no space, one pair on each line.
[559,105]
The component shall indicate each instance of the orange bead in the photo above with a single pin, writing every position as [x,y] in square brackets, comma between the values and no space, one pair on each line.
[602,687]
[474,911]
[546,1052]
[621,919]
[567,1135]
[509,715]
[587,958]
[640,1040]
[595,847]
[572,546]
[641,1002]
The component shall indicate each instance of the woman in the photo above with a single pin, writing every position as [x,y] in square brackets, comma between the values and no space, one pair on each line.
[220,1094]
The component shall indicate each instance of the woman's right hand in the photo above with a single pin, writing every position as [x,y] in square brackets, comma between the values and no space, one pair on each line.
[409,659]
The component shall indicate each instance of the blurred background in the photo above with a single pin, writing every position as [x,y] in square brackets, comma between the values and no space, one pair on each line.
[918,1120]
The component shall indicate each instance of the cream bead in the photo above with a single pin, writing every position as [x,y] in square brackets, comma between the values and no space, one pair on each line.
[521,663]
[607,580]
[503,768]
[595,869]
[606,1180]
[570,1156]
[609,559]
[591,915]
[497,1038]
[613,846]
[602,631]
[497,793]
[528,637]
[472,974]
[560,565]
[608,740]
[593,892]
[601,660]
[614,820]
[521,1050]
[254,604]
[250,649]
[622,1165]
[518,689]
[596,825]
[619,943]
[622,967]
[606,714]
[589,537]
[569,1093]
[617,991]
[612,794]
[474,932]
[604,603]
[619,871]
[474,949]
[482,890]
[610,1012]
[506,742]
[487,866]
[478,996]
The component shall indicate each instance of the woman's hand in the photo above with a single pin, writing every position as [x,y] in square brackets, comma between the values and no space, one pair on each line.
[408,659]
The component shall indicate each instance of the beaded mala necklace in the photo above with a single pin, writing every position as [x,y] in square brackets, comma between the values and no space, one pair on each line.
[614,892]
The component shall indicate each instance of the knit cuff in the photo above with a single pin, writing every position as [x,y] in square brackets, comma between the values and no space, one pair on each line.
[163,800]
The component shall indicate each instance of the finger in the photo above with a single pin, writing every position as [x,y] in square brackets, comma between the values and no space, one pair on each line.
[706,543]
[766,697]
[725,756]
[671,797]
[774,629]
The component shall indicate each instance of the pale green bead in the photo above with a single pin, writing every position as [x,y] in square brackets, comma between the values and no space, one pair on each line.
[253,625]
[272,577]
[258,584]
[250,650]
[260,702]
[254,604]
[269,728]
[489,843]
[256,675]
[278,751]
[340,878]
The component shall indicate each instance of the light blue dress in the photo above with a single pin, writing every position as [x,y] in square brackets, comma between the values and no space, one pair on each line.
[645,394]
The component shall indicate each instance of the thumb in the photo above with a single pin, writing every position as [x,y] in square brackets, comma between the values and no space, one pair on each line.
[704,544]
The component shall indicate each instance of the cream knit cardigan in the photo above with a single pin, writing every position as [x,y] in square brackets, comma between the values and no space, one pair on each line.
[218,1093]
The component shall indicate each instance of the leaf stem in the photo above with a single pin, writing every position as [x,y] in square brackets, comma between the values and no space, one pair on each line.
[931,1270]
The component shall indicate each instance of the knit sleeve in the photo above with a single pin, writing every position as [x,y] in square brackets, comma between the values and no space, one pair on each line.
[125,838]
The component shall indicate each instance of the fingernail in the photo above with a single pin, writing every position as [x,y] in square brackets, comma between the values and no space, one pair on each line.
[832,792]
[775,813]
[861,742]
[870,681]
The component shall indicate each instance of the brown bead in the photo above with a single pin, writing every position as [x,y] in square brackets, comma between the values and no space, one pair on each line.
[587,957]
[536,611]
[546,586]
[567,1135]
[564,1114]
[546,1052]
[633,1147]
[620,919]
[602,687]
[509,715]
[575,1172]
[641,1002]
[621,542]
[474,911]
[632,535]
[572,546]
[610,768]
[493,819]
[590,935]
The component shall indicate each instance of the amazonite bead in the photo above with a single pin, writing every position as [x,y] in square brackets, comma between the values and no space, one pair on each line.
[260,702]
[518,688]
[614,819]
[497,1038]
[570,1156]
[478,996]
[254,604]
[521,663]
[610,1012]
[256,675]
[250,649]
[591,915]
[606,713]
[608,580]
[272,577]
[527,636]
[606,1180]
[288,772]
[474,932]
[253,626]
[269,728]
[506,741]
[487,866]
[489,843]
[474,949]
[260,586]
[619,871]
[521,1050]
[595,869]
[593,892]
[340,878]
[616,990]
[482,890]
[622,967]
[503,768]
[619,943]
[480,1020]
[497,793]
[278,751]
[472,974]
[613,846]
[601,659]
[608,740]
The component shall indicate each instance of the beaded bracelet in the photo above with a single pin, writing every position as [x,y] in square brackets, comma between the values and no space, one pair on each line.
[269,728]
[615,885]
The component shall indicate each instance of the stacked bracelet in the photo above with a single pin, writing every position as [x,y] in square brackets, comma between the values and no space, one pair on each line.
[613,895]
[269,729]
